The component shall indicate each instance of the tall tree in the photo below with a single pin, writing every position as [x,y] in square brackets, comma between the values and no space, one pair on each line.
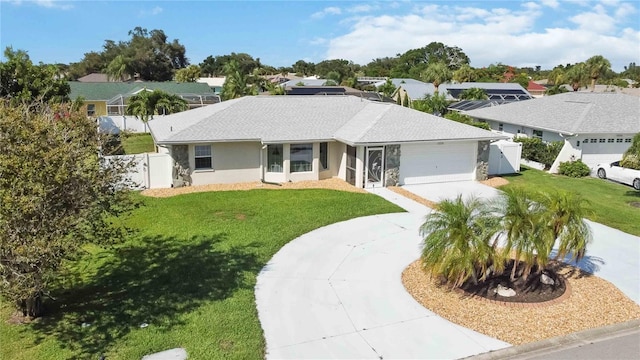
[437,73]
[236,83]
[215,66]
[118,69]
[413,62]
[557,75]
[465,74]
[57,194]
[596,67]
[577,76]
[189,74]
[304,68]
[23,82]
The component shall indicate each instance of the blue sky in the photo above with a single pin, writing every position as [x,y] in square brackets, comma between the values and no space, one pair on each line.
[519,33]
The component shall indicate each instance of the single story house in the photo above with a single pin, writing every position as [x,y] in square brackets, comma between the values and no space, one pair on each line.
[595,127]
[294,138]
[110,98]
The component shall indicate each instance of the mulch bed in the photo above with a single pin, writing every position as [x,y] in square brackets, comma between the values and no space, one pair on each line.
[530,290]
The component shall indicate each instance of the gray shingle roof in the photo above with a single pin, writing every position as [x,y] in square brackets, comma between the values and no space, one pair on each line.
[308,118]
[570,113]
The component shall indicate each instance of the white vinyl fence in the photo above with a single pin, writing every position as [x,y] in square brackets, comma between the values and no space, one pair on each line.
[151,171]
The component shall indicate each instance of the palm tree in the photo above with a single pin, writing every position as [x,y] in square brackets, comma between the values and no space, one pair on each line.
[169,103]
[577,76]
[435,104]
[556,76]
[235,84]
[437,73]
[117,69]
[145,104]
[523,224]
[473,94]
[465,74]
[597,66]
[565,212]
[460,240]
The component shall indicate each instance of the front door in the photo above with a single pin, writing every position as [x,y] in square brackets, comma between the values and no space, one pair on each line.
[374,169]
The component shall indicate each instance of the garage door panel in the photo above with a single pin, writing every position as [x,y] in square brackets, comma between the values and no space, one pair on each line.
[422,163]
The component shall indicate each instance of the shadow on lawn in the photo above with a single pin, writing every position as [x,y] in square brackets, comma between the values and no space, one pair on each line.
[153,282]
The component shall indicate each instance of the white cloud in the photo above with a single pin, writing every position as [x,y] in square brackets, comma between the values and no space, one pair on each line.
[362,8]
[551,3]
[491,36]
[332,10]
[624,10]
[594,21]
[152,12]
[52,4]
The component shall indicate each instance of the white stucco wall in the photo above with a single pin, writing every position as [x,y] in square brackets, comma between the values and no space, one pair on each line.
[232,163]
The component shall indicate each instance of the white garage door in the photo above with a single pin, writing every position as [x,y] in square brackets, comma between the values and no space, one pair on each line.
[603,152]
[429,163]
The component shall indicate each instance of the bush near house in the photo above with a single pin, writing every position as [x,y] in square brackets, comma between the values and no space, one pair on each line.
[535,150]
[576,169]
[631,157]
[466,119]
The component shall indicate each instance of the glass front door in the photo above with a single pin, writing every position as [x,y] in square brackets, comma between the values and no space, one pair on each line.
[375,165]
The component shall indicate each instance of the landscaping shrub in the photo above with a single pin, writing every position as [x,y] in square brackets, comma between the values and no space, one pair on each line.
[574,169]
[631,157]
[535,150]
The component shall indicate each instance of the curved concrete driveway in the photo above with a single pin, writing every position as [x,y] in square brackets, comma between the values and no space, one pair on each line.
[336,292]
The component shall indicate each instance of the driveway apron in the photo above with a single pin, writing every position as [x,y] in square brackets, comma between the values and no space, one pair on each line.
[337,293]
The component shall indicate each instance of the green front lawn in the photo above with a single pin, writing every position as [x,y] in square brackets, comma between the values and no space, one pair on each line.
[188,271]
[137,143]
[610,202]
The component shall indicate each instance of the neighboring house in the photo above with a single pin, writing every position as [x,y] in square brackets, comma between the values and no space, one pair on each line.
[535,89]
[595,127]
[296,138]
[97,77]
[412,89]
[497,93]
[110,98]
[215,83]
[304,82]
[336,90]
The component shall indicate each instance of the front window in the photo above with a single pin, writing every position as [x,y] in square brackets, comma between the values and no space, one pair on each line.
[324,156]
[203,157]
[537,134]
[91,109]
[301,157]
[500,127]
[274,158]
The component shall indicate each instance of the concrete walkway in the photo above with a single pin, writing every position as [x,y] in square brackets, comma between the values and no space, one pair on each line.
[336,293]
[613,255]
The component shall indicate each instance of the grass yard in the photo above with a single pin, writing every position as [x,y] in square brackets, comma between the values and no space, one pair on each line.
[188,270]
[137,143]
[609,201]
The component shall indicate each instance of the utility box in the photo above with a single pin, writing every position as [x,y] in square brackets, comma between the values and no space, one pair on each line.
[504,157]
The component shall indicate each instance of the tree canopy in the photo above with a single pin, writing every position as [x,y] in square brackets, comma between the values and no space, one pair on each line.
[147,54]
[22,82]
[57,194]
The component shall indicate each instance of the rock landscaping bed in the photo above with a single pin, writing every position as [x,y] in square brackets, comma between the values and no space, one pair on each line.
[593,302]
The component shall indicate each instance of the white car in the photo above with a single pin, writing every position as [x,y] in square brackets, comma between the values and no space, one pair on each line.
[617,173]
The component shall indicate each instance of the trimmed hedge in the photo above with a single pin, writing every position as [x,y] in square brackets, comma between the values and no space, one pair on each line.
[574,169]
